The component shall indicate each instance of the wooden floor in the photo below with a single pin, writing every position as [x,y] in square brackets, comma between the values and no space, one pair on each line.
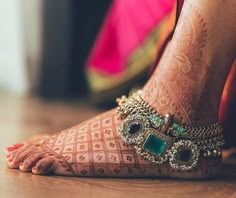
[21,118]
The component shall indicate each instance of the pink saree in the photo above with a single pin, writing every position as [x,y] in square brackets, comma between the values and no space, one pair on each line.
[126,44]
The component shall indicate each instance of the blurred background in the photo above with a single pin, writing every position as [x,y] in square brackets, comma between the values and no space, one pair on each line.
[59,49]
[44,45]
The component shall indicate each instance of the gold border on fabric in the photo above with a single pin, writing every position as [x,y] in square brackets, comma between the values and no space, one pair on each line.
[138,62]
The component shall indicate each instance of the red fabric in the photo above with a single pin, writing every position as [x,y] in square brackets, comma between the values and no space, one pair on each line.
[126,26]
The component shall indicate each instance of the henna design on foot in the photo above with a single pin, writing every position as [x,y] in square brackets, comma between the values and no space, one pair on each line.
[93,148]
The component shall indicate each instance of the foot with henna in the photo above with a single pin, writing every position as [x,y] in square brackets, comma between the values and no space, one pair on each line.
[139,140]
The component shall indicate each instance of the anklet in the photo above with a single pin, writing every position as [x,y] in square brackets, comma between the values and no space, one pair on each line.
[159,140]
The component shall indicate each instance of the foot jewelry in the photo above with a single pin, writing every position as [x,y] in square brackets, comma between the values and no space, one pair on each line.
[159,140]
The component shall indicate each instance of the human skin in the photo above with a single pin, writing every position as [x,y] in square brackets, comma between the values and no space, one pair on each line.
[187,83]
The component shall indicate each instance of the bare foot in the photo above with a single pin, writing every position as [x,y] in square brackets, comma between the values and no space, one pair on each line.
[184,84]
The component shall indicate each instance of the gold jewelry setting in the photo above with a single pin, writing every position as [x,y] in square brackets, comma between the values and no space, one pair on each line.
[159,140]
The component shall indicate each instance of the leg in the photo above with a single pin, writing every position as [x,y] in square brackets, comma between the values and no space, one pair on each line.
[195,65]
[184,84]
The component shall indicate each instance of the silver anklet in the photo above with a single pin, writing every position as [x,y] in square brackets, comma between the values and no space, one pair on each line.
[159,140]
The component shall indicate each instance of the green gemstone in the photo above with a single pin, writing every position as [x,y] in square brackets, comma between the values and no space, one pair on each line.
[175,126]
[155,145]
[155,120]
[179,129]
[182,131]
[153,117]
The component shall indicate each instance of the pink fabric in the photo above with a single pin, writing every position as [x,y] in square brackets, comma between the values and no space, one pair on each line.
[127,24]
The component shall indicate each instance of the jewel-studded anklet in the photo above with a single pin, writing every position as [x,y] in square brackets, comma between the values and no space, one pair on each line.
[159,140]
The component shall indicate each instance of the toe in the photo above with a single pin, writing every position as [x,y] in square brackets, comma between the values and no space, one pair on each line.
[43,166]
[10,149]
[8,156]
[14,147]
[19,156]
[30,162]
[18,145]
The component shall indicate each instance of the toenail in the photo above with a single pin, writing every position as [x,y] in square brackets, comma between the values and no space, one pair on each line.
[21,164]
[10,160]
[18,145]
[34,168]
[8,156]
[10,148]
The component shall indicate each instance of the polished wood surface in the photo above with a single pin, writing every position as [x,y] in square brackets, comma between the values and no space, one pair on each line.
[23,117]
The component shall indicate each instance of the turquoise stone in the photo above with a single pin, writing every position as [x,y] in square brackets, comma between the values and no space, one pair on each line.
[179,129]
[155,120]
[155,145]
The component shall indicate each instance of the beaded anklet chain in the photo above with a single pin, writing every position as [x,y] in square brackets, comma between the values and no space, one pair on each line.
[159,139]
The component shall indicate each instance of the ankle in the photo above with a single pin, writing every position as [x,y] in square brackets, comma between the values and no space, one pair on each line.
[190,77]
